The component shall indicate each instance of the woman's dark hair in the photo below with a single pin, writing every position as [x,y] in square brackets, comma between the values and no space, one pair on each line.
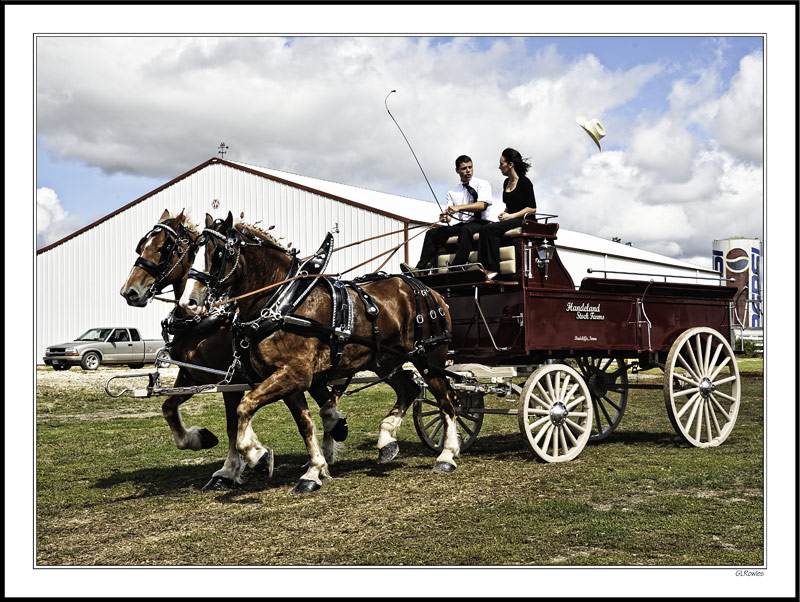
[521,166]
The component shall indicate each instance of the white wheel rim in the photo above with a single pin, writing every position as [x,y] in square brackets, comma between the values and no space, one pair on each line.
[702,388]
[555,413]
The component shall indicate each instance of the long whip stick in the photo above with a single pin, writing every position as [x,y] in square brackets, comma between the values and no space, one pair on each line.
[385,103]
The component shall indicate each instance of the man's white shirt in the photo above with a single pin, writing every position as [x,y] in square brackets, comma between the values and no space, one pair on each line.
[459,195]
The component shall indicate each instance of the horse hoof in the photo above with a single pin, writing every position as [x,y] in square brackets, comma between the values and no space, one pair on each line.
[339,432]
[444,467]
[306,486]
[219,484]
[388,452]
[207,439]
[266,463]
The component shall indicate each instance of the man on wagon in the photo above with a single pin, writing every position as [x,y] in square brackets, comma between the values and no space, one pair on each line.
[470,198]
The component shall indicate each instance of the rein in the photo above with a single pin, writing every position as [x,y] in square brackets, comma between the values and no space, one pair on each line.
[392,251]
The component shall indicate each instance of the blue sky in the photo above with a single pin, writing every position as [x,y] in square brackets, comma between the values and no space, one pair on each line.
[118,117]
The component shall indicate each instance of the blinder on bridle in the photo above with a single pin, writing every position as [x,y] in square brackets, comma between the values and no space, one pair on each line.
[167,251]
[214,276]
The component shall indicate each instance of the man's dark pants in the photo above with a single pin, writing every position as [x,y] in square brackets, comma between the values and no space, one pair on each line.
[435,239]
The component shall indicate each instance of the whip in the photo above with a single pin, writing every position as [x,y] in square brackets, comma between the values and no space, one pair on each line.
[412,150]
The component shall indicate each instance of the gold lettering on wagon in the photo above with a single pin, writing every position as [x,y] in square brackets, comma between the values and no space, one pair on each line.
[585,311]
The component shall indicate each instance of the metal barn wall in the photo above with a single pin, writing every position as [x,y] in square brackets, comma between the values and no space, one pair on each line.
[78,281]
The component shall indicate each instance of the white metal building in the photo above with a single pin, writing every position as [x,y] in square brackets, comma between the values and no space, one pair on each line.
[79,277]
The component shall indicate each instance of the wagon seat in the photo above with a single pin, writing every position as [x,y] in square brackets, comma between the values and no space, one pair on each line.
[511,244]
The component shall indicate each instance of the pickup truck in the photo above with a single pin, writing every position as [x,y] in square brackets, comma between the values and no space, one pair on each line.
[99,346]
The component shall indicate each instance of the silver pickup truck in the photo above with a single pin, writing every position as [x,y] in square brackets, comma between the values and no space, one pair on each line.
[104,346]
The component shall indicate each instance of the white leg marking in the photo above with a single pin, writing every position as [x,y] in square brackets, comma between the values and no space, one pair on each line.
[317,467]
[451,447]
[388,429]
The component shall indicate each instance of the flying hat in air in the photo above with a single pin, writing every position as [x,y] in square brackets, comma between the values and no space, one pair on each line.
[593,128]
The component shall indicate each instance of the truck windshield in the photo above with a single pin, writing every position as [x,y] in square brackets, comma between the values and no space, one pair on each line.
[95,334]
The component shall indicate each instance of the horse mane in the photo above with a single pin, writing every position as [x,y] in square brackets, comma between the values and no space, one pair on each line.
[188,224]
[259,234]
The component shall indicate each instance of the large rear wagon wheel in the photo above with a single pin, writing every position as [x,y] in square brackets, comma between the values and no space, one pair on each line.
[429,424]
[702,388]
[607,379]
[555,413]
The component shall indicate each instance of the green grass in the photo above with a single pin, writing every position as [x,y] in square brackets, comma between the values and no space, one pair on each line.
[112,489]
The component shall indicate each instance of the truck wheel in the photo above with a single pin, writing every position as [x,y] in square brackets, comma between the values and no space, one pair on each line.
[90,361]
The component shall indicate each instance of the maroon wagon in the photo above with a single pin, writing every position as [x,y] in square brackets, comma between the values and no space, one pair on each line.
[576,346]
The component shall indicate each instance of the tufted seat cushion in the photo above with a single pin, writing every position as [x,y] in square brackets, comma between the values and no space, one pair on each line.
[508,255]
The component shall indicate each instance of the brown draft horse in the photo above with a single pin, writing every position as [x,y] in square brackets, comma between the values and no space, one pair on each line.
[165,256]
[292,360]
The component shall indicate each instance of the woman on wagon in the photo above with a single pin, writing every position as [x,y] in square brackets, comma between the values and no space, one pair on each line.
[519,200]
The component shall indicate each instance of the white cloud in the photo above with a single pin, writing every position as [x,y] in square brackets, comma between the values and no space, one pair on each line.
[315,106]
[52,221]
[739,120]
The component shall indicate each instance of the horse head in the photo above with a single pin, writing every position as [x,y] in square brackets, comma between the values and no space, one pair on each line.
[165,255]
[237,255]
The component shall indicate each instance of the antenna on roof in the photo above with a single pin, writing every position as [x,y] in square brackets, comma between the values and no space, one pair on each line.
[222,149]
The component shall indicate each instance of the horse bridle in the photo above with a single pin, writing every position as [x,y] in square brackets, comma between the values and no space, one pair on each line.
[234,242]
[173,246]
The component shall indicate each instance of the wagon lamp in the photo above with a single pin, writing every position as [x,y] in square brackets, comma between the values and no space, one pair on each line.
[544,253]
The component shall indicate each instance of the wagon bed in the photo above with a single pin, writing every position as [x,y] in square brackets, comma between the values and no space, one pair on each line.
[576,345]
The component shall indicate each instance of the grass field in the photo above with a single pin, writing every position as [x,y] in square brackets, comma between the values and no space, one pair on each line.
[112,489]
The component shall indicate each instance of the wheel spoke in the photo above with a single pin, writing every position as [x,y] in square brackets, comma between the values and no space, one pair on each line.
[699,420]
[571,392]
[682,378]
[540,412]
[725,380]
[693,413]
[719,368]
[564,386]
[553,396]
[686,391]
[428,424]
[606,365]
[575,425]
[707,357]
[605,412]
[611,403]
[698,345]
[572,439]
[597,423]
[693,359]
[544,396]
[575,402]
[555,442]
[547,432]
[686,406]
[563,440]
[538,423]
[714,419]
[725,396]
[708,421]
[686,367]
[436,431]
[429,413]
[541,402]
[713,361]
[463,424]
[721,409]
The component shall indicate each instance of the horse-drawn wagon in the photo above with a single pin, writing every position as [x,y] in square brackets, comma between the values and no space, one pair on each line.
[576,345]
[573,346]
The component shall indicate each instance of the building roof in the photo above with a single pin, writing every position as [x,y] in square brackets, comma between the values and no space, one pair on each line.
[399,207]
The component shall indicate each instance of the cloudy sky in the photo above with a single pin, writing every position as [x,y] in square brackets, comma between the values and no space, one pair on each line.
[681,163]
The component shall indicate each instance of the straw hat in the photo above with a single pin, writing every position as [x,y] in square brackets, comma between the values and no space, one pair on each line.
[593,128]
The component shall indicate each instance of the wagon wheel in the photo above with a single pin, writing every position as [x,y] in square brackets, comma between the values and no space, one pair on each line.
[702,387]
[555,413]
[608,385]
[430,427]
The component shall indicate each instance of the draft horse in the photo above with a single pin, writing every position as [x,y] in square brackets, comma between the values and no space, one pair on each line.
[310,331]
[165,256]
